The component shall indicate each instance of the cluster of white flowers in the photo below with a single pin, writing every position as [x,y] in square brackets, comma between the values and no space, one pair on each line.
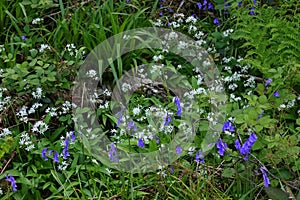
[191,19]
[156,69]
[37,21]
[38,93]
[51,111]
[157,58]
[104,106]
[63,166]
[44,47]
[233,98]
[22,114]
[227,32]
[34,107]
[126,87]
[5,132]
[136,110]
[73,51]
[92,74]
[40,127]
[3,101]
[26,141]
[250,82]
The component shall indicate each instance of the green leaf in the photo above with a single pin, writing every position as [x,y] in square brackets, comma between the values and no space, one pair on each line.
[228,172]
[276,193]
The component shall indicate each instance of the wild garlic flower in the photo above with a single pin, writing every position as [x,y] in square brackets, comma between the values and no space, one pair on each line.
[40,127]
[38,93]
[44,47]
[37,21]
[5,132]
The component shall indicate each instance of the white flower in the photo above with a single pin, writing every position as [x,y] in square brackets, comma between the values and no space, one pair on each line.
[126,87]
[38,93]
[5,132]
[40,127]
[63,166]
[44,47]
[136,110]
[37,20]
[191,19]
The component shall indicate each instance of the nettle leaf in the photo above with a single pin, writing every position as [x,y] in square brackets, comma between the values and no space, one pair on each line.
[228,172]
[276,193]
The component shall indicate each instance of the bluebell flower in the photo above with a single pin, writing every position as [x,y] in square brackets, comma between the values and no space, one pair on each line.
[276,94]
[44,151]
[199,157]
[170,9]
[265,177]
[24,37]
[168,119]
[119,120]
[160,13]
[140,143]
[172,169]
[113,154]
[178,150]
[252,11]
[254,1]
[156,138]
[268,82]
[210,6]
[216,21]
[221,147]
[160,5]
[199,5]
[177,103]
[66,149]
[55,157]
[240,4]
[73,137]
[228,126]
[246,147]
[12,181]
[260,115]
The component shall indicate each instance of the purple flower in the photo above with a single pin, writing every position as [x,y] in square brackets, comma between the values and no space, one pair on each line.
[119,120]
[199,5]
[216,21]
[240,4]
[260,115]
[276,94]
[66,149]
[268,82]
[157,138]
[178,150]
[254,1]
[160,5]
[210,6]
[199,157]
[44,151]
[177,103]
[73,137]
[55,157]
[228,126]
[160,13]
[170,9]
[130,125]
[168,119]
[252,11]
[172,169]
[246,147]
[140,143]
[221,147]
[265,177]
[24,37]
[113,154]
[12,181]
